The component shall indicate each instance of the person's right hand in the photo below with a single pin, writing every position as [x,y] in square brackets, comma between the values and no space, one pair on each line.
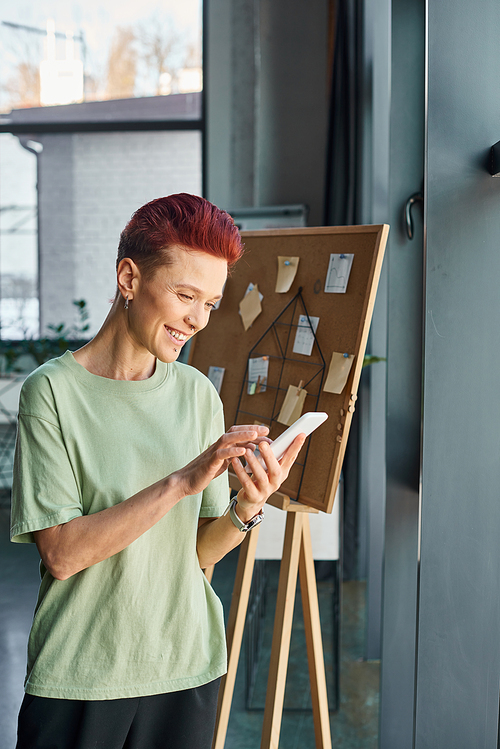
[197,474]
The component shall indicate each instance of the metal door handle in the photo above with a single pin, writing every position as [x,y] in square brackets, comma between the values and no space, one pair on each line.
[415,198]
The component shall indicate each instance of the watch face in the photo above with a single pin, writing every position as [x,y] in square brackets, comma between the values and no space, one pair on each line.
[254,521]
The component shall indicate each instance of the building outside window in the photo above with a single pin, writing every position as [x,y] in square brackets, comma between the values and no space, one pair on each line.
[101,103]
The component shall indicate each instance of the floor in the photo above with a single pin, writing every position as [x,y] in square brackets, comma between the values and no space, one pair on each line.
[354,725]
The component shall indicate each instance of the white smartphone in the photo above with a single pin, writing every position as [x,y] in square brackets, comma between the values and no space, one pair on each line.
[307,423]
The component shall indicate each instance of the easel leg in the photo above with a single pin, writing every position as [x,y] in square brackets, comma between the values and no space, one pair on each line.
[282,631]
[234,633]
[310,608]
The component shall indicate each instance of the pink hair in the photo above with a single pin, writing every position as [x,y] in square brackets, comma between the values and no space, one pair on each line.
[182,219]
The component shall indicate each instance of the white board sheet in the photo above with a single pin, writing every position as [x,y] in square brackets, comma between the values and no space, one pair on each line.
[324,533]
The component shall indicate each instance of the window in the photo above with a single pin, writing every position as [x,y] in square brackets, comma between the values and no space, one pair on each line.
[56,52]
[104,98]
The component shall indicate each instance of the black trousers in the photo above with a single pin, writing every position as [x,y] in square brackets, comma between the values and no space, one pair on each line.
[177,720]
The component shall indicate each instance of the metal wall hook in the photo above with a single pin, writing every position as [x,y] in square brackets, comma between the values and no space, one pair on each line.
[415,198]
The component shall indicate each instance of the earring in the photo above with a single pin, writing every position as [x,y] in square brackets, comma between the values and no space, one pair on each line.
[126,303]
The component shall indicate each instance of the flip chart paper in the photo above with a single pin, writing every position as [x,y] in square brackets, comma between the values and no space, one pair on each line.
[304,338]
[339,269]
[324,533]
[216,375]
[340,366]
[250,307]
[287,269]
[258,370]
[292,406]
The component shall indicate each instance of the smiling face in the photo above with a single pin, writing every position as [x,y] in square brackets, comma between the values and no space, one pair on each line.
[168,309]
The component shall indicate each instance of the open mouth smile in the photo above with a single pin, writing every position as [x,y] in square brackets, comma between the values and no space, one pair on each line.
[177,337]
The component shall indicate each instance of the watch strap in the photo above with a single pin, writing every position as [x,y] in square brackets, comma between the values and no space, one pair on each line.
[243,527]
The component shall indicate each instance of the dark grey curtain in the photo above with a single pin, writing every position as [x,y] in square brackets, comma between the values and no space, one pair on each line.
[342,188]
[342,192]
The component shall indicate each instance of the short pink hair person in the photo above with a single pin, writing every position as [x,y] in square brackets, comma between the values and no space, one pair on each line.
[180,219]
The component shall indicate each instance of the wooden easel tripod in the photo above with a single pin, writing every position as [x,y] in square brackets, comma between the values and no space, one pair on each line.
[297,558]
[346,320]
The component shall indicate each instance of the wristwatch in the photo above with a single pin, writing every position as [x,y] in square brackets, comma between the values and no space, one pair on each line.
[243,527]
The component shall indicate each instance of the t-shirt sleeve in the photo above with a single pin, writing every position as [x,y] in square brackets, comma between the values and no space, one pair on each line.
[44,490]
[216,495]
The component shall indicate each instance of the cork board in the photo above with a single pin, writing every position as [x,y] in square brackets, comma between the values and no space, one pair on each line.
[343,327]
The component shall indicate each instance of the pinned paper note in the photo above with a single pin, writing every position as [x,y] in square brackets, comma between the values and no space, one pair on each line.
[250,307]
[291,410]
[304,338]
[287,269]
[340,366]
[216,375]
[339,269]
[258,370]
[250,288]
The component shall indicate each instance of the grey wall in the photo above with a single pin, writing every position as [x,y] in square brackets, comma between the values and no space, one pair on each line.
[266,82]
[218,77]
[293,104]
[458,667]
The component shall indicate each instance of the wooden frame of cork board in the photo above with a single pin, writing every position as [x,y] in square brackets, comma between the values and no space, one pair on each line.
[343,328]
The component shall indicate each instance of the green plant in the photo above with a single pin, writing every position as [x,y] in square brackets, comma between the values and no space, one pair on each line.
[62,338]
[370,359]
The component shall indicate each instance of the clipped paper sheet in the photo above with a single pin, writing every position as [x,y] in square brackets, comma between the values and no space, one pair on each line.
[250,307]
[339,269]
[287,269]
[340,366]
[291,410]
[258,370]
[304,338]
[216,375]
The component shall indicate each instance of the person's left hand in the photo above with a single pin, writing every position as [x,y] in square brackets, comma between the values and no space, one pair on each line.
[258,487]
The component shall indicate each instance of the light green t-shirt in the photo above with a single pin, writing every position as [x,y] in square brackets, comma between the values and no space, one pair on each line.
[145,621]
